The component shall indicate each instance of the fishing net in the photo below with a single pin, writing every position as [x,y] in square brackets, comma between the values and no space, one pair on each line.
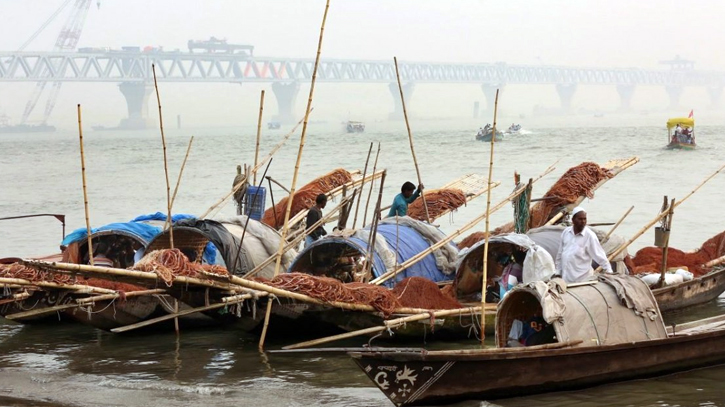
[329,290]
[576,183]
[649,259]
[471,239]
[305,197]
[419,292]
[439,202]
[17,270]
[171,263]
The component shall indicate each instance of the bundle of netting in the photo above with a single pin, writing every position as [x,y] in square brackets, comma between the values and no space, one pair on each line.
[471,239]
[111,285]
[330,290]
[578,182]
[171,263]
[20,271]
[305,197]
[419,292]
[649,259]
[439,202]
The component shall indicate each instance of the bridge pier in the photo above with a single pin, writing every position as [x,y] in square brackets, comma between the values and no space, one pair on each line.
[489,93]
[674,92]
[625,96]
[286,95]
[408,88]
[137,98]
[566,94]
[715,93]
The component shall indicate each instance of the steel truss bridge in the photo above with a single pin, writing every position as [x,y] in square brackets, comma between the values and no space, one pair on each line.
[129,68]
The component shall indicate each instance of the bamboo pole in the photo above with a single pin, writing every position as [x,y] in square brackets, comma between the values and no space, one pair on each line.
[488,208]
[667,229]
[166,167]
[270,179]
[259,135]
[220,203]
[450,237]
[362,186]
[373,232]
[522,349]
[619,222]
[85,192]
[393,323]
[175,316]
[81,302]
[178,180]
[555,218]
[410,138]
[659,217]
[79,288]
[285,228]
[372,186]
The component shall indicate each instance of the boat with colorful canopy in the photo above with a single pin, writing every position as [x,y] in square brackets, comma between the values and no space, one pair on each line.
[681,133]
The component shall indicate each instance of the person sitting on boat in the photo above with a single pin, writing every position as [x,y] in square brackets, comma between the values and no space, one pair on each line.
[100,255]
[578,247]
[480,132]
[314,215]
[512,272]
[408,194]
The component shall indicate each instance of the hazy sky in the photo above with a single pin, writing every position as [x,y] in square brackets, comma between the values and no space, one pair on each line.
[614,33]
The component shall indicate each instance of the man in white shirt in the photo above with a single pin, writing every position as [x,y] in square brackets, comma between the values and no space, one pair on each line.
[579,246]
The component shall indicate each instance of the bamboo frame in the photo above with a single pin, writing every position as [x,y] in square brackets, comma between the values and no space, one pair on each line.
[668,228]
[469,225]
[372,186]
[488,208]
[374,231]
[410,138]
[166,167]
[259,135]
[79,288]
[285,228]
[178,180]
[619,222]
[85,192]
[365,172]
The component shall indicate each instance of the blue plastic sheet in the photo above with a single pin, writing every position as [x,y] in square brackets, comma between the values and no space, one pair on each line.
[142,231]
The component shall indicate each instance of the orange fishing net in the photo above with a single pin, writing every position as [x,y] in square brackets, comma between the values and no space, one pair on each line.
[17,270]
[419,292]
[471,239]
[305,197]
[578,182]
[649,259]
[439,201]
[171,263]
[329,290]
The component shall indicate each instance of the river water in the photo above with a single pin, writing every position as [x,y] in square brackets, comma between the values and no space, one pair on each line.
[72,365]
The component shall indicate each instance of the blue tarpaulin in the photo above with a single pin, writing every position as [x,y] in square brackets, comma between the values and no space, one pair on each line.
[143,231]
[161,216]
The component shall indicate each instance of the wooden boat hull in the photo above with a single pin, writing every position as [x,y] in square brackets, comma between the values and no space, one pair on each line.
[38,300]
[681,146]
[696,291]
[107,315]
[417,378]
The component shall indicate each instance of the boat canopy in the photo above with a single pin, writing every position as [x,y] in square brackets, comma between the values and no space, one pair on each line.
[141,228]
[611,310]
[682,121]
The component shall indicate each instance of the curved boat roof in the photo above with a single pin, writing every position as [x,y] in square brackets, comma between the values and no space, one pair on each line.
[139,228]
[682,121]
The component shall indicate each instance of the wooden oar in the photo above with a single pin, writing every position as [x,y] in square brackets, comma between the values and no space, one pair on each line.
[81,302]
[393,323]
[392,273]
[237,299]
[410,139]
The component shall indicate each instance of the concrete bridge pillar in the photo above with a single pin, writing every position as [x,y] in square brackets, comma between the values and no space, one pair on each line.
[674,92]
[625,96]
[715,93]
[137,98]
[489,93]
[397,104]
[286,95]
[566,94]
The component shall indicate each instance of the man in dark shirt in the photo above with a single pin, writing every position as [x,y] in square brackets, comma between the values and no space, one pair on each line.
[313,216]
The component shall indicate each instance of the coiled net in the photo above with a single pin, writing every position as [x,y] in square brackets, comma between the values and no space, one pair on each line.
[439,202]
[649,259]
[171,263]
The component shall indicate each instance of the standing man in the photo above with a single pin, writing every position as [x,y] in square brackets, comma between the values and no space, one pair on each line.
[407,195]
[315,214]
[579,246]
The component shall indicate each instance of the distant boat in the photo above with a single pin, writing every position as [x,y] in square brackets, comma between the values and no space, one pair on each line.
[514,129]
[355,127]
[274,125]
[27,128]
[683,135]
[485,135]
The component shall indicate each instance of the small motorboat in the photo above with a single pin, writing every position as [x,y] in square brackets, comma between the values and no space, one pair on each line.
[274,125]
[681,133]
[486,133]
[355,127]
[514,129]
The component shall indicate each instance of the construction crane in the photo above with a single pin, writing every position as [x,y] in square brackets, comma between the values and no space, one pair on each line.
[67,40]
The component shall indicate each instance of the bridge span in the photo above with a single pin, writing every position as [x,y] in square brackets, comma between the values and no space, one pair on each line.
[132,70]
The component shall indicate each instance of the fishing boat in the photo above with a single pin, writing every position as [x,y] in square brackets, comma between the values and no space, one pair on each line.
[486,134]
[681,133]
[355,127]
[581,335]
[514,129]
[274,125]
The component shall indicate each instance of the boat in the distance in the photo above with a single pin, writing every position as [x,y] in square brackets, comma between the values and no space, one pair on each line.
[514,129]
[355,127]
[274,125]
[485,134]
[7,128]
[681,133]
